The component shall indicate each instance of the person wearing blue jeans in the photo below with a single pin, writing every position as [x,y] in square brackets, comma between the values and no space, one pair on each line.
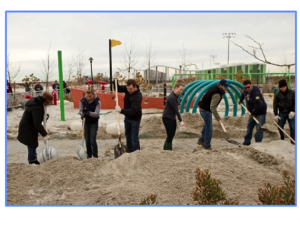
[208,107]
[132,111]
[132,134]
[89,108]
[169,115]
[257,106]
[284,101]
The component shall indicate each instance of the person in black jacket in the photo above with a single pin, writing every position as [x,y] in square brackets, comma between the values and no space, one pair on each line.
[169,115]
[38,88]
[285,101]
[257,106]
[133,113]
[31,124]
[89,108]
[208,107]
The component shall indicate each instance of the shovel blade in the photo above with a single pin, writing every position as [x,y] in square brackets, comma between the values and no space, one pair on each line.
[81,153]
[47,154]
[119,150]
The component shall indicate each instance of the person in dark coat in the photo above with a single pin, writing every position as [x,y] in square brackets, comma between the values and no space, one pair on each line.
[132,112]
[89,108]
[31,124]
[284,101]
[38,88]
[257,106]
[169,115]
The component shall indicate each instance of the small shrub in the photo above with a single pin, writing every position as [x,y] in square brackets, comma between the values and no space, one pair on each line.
[276,195]
[150,200]
[208,190]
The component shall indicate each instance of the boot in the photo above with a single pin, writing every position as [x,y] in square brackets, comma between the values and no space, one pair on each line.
[33,161]
[168,146]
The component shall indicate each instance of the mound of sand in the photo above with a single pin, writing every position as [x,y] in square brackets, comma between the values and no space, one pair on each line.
[131,177]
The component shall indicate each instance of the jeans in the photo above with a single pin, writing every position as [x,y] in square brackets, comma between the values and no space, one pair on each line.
[250,126]
[132,128]
[170,126]
[31,153]
[90,134]
[207,130]
[281,123]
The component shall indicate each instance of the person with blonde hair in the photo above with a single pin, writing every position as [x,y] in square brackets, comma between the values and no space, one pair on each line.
[89,109]
[31,124]
[169,115]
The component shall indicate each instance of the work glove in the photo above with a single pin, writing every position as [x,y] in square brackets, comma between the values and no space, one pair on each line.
[182,124]
[46,137]
[85,112]
[118,108]
[277,118]
[291,115]
[47,116]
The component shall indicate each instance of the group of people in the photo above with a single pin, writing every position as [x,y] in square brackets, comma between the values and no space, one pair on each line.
[90,106]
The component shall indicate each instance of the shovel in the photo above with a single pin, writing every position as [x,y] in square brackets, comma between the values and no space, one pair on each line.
[80,151]
[119,148]
[228,137]
[47,153]
[283,131]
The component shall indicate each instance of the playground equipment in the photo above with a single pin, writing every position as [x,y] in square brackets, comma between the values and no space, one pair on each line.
[201,86]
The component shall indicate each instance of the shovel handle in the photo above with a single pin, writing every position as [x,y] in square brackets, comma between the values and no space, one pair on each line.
[250,114]
[223,127]
[82,134]
[283,131]
[117,103]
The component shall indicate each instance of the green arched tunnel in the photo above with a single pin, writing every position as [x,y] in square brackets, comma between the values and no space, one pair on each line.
[198,89]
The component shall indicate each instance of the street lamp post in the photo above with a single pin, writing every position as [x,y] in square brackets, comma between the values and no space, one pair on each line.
[91,61]
[228,35]
[213,56]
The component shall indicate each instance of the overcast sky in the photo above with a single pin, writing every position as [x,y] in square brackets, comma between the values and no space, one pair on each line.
[30,34]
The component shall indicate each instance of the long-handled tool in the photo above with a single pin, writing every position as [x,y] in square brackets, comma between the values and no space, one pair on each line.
[250,114]
[47,153]
[80,151]
[119,148]
[228,137]
[283,131]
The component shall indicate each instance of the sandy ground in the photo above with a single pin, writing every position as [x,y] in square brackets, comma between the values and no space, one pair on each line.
[169,174]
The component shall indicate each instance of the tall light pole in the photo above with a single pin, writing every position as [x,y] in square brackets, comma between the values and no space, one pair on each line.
[228,35]
[213,56]
[91,61]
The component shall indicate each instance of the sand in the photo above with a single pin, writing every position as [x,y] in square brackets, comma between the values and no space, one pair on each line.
[169,174]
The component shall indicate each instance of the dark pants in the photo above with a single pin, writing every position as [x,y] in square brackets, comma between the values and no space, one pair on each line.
[207,130]
[281,123]
[31,153]
[90,134]
[250,126]
[170,126]
[132,128]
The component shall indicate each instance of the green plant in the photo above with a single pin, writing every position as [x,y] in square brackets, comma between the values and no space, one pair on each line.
[278,195]
[31,79]
[150,200]
[208,190]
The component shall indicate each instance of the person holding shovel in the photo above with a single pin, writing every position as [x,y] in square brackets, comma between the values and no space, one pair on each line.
[208,107]
[169,115]
[284,101]
[89,109]
[31,124]
[257,106]
[132,111]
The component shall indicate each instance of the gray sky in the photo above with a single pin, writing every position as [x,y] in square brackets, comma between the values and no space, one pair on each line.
[29,36]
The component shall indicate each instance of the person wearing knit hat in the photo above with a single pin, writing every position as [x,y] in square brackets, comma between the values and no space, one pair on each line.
[284,102]
[31,124]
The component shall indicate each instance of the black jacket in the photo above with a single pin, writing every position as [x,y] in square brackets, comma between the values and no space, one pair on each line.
[31,123]
[205,101]
[132,103]
[284,102]
[256,104]
[171,107]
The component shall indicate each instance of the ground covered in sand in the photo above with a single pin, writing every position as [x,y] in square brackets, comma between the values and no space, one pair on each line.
[169,174]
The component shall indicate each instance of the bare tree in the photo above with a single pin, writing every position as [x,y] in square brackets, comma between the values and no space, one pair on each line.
[149,60]
[12,71]
[70,70]
[79,61]
[264,60]
[185,55]
[48,66]
[130,57]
